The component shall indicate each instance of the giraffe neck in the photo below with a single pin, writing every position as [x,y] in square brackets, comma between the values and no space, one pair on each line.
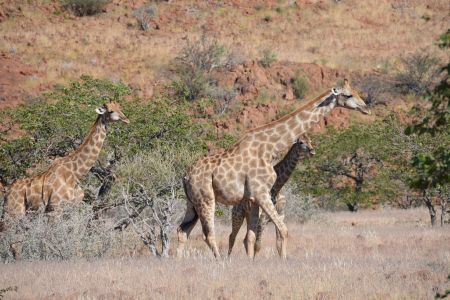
[84,158]
[277,137]
[286,167]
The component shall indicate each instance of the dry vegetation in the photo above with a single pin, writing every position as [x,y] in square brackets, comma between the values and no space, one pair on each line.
[355,35]
[384,254]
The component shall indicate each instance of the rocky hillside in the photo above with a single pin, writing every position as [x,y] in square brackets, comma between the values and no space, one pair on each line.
[44,44]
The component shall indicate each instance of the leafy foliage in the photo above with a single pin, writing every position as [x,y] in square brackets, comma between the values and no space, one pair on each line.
[57,124]
[432,168]
[361,165]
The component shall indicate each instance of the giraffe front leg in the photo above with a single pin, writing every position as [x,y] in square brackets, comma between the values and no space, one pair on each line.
[264,201]
[280,206]
[237,218]
[263,220]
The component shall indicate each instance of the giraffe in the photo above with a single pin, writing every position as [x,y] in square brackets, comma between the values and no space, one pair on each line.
[60,183]
[245,171]
[284,170]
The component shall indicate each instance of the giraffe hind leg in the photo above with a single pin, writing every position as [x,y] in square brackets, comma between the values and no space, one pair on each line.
[185,229]
[237,218]
[206,215]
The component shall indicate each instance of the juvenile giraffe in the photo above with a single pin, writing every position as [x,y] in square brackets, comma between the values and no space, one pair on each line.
[60,183]
[284,170]
[246,170]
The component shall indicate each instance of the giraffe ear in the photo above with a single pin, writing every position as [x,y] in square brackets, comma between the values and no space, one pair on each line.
[335,91]
[100,110]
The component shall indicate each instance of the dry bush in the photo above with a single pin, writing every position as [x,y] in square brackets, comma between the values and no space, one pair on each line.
[300,86]
[420,72]
[375,89]
[194,65]
[150,187]
[85,7]
[145,16]
[299,207]
[75,232]
[268,57]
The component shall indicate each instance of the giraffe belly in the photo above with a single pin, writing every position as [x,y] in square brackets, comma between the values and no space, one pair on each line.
[228,194]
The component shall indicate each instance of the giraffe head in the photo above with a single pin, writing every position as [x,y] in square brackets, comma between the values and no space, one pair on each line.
[112,112]
[348,98]
[306,144]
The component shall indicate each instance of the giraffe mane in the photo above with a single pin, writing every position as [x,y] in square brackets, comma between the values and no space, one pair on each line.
[305,106]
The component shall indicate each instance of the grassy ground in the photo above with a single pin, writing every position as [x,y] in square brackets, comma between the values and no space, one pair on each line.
[383,254]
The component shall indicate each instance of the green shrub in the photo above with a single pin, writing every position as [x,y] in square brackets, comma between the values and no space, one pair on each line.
[58,122]
[364,164]
[268,56]
[85,7]
[300,86]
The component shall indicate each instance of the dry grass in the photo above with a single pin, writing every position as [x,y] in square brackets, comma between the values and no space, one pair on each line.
[384,254]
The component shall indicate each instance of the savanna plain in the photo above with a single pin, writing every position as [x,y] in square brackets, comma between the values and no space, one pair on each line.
[383,254]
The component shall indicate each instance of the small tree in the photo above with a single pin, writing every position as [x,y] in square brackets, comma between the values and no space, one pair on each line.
[151,189]
[432,168]
[357,168]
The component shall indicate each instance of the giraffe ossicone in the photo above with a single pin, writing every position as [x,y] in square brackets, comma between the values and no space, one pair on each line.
[246,171]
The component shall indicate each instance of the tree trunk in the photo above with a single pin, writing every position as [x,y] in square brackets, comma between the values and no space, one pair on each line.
[431,209]
[165,241]
[443,210]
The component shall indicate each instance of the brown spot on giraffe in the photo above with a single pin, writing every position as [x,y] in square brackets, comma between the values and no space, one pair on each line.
[203,188]
[60,183]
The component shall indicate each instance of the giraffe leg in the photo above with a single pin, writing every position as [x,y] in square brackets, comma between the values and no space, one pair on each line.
[14,207]
[263,220]
[252,223]
[184,230]
[280,206]
[206,214]
[78,194]
[264,201]
[237,218]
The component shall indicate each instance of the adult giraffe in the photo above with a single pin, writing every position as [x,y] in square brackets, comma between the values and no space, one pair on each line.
[246,170]
[241,211]
[60,183]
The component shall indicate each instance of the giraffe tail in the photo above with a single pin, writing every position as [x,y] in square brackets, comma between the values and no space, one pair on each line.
[191,216]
